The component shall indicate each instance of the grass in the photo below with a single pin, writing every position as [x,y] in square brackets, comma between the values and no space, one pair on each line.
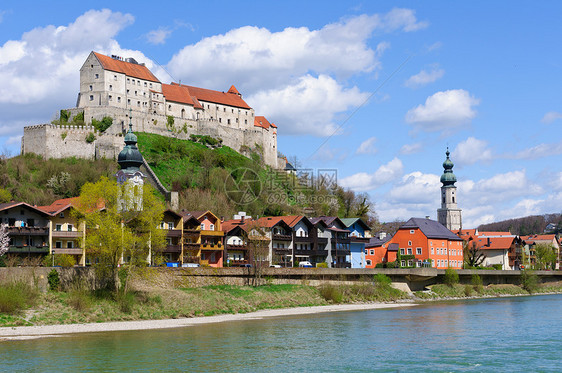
[439,291]
[16,296]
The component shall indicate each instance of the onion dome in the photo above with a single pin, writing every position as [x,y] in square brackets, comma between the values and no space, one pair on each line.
[130,158]
[448,178]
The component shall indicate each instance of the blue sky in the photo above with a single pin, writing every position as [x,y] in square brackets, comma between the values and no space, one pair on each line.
[384,86]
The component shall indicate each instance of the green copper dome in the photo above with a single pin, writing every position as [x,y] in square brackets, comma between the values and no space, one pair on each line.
[448,178]
[130,157]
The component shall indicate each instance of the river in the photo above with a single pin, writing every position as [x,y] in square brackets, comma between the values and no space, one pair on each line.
[503,334]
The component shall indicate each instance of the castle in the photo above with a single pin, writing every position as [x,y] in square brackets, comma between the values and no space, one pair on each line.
[123,88]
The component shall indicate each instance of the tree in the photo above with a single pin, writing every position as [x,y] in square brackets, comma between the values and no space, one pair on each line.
[545,256]
[4,239]
[114,236]
[473,256]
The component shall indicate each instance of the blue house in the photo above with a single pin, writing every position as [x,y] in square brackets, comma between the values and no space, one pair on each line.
[359,233]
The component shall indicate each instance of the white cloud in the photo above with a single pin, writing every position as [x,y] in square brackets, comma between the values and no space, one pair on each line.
[424,77]
[256,58]
[538,151]
[14,140]
[551,116]
[499,188]
[158,36]
[363,181]
[411,148]
[367,146]
[443,111]
[471,151]
[308,106]
[417,188]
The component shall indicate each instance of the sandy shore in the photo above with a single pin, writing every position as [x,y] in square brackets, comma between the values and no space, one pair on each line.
[30,332]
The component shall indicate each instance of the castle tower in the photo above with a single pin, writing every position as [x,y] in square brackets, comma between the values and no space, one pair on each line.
[130,177]
[449,214]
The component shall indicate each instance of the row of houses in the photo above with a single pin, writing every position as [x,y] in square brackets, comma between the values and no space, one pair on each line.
[203,238]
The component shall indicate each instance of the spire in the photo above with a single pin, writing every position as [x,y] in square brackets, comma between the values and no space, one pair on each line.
[448,178]
[130,159]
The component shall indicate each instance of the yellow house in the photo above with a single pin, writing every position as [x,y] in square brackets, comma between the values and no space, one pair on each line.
[210,248]
[67,235]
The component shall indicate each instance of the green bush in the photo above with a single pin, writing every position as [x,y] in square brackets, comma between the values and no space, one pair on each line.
[5,195]
[529,281]
[322,265]
[451,277]
[60,260]
[331,293]
[497,267]
[102,125]
[54,280]
[16,296]
[126,301]
[476,282]
[382,279]
[79,297]
[90,138]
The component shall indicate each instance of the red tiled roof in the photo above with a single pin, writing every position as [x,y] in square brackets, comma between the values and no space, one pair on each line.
[261,121]
[177,93]
[494,243]
[127,68]
[270,221]
[59,205]
[228,98]
[233,90]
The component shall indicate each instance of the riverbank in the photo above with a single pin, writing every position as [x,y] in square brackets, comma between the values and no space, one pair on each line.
[30,332]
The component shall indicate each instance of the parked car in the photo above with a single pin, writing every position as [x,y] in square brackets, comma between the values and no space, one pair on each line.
[305,264]
[191,265]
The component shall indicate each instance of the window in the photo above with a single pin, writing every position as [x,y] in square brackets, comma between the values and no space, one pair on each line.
[366,252]
[245,121]
[118,99]
[202,226]
[69,227]
[409,243]
[432,250]
[58,245]
[150,85]
[368,262]
[410,263]
[372,251]
[110,87]
[402,263]
[409,251]
[114,77]
[228,121]
[145,84]
[211,227]
[110,98]
[91,88]
[220,120]
[412,231]
[418,250]
[61,215]
[58,227]
[91,97]
[402,252]
[97,76]
[135,93]
[162,225]
[171,225]
[445,251]
[128,80]
[70,244]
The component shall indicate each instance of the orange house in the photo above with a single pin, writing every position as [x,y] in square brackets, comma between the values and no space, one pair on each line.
[427,243]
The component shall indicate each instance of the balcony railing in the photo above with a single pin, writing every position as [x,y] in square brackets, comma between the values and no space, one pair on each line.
[282,237]
[212,246]
[172,249]
[67,234]
[173,233]
[322,240]
[28,231]
[236,247]
[74,251]
[29,249]
[303,239]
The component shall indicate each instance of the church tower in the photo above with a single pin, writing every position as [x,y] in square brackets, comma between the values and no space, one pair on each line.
[449,214]
[130,178]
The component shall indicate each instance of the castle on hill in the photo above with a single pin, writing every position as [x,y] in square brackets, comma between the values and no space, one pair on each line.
[111,86]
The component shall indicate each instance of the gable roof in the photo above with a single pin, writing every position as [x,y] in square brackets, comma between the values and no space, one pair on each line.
[350,221]
[9,205]
[261,121]
[223,98]
[59,205]
[377,242]
[494,243]
[128,68]
[430,228]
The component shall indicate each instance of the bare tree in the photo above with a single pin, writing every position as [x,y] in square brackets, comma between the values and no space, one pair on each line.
[257,245]
[473,256]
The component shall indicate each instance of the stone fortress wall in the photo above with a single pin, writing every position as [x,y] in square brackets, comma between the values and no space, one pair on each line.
[109,93]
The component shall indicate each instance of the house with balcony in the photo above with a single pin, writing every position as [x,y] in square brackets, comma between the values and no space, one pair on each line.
[500,251]
[339,242]
[191,239]
[68,234]
[28,227]
[236,243]
[210,240]
[304,240]
[359,234]
[172,222]
[532,240]
[280,235]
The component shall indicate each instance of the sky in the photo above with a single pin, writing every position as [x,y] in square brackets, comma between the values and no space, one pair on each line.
[374,90]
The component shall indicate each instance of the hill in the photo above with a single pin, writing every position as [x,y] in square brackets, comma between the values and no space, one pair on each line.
[533,224]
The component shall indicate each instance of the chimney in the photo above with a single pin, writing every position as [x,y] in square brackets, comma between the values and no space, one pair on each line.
[242,219]
[489,242]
